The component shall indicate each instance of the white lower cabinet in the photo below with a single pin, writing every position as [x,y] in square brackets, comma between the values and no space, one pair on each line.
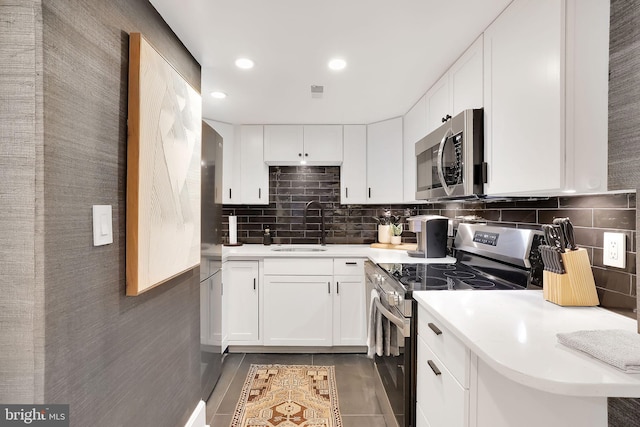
[241,287]
[443,375]
[314,302]
[349,303]
[298,310]
[442,400]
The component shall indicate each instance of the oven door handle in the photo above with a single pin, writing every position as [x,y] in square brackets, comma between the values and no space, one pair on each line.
[399,322]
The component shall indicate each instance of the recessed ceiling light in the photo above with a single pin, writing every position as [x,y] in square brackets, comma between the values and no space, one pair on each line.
[244,63]
[219,95]
[337,64]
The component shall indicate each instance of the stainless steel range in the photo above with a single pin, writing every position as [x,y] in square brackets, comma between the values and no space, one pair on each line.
[487,257]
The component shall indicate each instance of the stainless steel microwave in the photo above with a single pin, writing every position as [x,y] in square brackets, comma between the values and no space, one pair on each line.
[450,160]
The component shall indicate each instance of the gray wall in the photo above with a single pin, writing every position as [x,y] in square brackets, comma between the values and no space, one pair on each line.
[624,95]
[21,281]
[118,361]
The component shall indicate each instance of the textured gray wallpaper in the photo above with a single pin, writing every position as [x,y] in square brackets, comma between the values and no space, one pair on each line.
[118,361]
[21,282]
[624,137]
[624,95]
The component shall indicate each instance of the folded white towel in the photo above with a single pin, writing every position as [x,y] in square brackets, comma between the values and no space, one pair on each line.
[617,347]
[382,334]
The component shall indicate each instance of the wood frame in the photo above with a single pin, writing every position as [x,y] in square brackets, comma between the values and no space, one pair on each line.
[163,170]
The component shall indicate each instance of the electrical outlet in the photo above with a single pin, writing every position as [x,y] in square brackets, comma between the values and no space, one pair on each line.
[614,250]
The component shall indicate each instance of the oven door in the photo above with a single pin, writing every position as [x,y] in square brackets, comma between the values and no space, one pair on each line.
[396,372]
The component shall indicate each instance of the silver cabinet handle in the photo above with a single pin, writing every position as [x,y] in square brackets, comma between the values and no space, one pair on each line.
[434,328]
[351,263]
[433,367]
[254,283]
[329,287]
[337,287]
[259,193]
[229,193]
[346,192]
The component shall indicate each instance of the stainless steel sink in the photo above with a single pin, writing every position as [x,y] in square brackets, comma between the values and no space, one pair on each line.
[298,249]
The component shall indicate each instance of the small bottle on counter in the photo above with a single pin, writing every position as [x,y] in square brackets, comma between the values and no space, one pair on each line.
[266,238]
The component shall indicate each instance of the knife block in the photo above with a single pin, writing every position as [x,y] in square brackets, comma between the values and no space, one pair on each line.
[576,286]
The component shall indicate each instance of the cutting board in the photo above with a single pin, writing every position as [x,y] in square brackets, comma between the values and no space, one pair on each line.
[402,246]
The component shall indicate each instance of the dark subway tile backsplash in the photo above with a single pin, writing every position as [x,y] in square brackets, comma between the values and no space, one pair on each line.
[291,187]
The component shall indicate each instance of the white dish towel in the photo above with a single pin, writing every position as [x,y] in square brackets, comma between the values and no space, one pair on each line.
[617,347]
[374,331]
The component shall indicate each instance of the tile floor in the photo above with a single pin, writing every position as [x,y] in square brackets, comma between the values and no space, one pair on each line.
[354,377]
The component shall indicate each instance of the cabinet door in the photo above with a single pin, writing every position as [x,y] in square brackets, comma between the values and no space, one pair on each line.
[231,161]
[415,128]
[442,400]
[323,144]
[283,144]
[298,310]
[438,103]
[523,89]
[384,162]
[353,174]
[255,172]
[465,79]
[241,287]
[349,311]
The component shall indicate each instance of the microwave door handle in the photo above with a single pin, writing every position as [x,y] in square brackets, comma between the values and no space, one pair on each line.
[446,136]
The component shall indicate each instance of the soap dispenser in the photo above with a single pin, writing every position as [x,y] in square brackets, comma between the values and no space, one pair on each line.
[266,238]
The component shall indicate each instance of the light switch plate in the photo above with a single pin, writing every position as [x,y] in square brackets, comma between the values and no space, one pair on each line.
[614,251]
[102,228]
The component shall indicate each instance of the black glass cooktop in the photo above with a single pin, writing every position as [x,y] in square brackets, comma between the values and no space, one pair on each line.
[425,277]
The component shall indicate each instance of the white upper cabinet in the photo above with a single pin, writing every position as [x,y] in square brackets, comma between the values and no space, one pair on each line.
[255,172]
[438,103]
[283,144]
[415,128]
[384,162]
[460,88]
[323,144]
[353,173]
[465,79]
[314,144]
[232,161]
[545,88]
[245,176]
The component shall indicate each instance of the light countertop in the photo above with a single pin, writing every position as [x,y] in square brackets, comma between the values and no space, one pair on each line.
[514,332]
[247,252]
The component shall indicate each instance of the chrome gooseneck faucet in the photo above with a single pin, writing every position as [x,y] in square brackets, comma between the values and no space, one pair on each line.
[315,203]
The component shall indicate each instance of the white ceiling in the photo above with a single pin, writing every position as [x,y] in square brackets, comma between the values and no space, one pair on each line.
[395,50]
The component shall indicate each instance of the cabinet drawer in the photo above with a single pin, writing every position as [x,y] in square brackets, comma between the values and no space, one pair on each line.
[348,266]
[445,345]
[440,398]
[299,266]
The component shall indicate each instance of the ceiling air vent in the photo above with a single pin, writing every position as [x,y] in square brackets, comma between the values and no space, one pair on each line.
[317,91]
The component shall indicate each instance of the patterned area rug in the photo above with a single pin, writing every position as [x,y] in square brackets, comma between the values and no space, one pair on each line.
[288,396]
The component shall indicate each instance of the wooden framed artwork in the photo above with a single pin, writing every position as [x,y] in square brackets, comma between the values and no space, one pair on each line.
[163,170]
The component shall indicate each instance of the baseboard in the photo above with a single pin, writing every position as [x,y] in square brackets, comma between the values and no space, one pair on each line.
[199,416]
[295,349]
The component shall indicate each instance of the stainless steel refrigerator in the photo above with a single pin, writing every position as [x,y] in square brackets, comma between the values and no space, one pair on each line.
[211,318]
